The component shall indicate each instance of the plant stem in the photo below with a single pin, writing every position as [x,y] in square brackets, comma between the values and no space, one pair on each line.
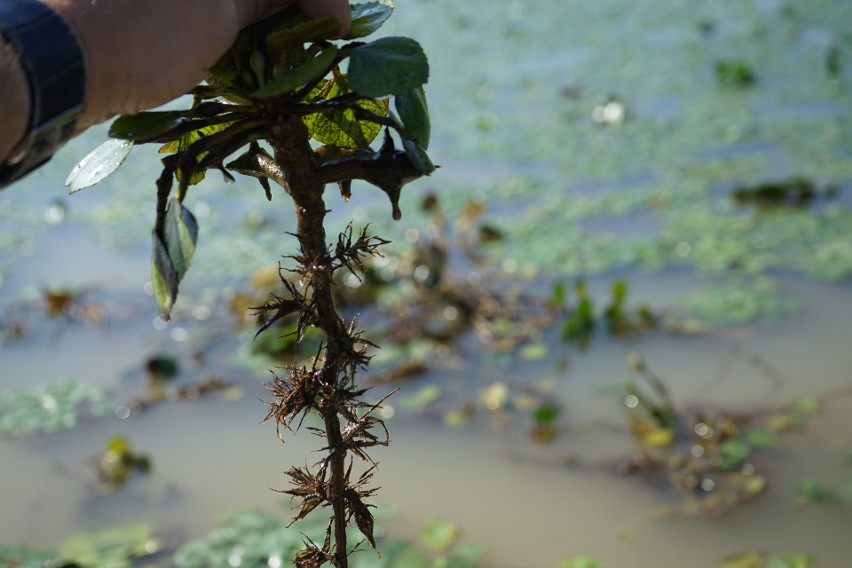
[290,142]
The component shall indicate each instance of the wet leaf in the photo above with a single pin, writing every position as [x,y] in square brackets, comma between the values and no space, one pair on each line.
[145,126]
[414,113]
[387,66]
[439,535]
[172,255]
[98,164]
[164,278]
[181,235]
[343,128]
[368,17]
[418,157]
[303,32]
[185,142]
[292,79]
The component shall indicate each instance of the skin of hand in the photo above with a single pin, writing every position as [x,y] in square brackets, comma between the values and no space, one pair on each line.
[143,53]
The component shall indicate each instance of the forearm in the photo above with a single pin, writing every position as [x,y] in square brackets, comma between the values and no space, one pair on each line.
[14,100]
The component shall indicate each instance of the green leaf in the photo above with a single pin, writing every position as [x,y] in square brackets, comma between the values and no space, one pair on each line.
[414,113]
[185,142]
[546,415]
[296,77]
[367,18]
[172,255]
[418,157]
[812,491]
[439,535]
[98,164]
[181,235]
[164,278]
[342,128]
[145,125]
[733,453]
[387,66]
[307,31]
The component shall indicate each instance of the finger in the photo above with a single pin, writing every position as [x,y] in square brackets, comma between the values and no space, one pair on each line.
[336,8]
[250,12]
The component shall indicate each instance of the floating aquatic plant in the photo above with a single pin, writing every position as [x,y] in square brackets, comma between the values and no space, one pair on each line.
[51,407]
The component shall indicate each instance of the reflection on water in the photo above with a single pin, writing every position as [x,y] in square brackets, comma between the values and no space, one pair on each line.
[596,132]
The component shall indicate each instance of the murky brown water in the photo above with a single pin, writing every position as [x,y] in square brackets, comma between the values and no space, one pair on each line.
[213,457]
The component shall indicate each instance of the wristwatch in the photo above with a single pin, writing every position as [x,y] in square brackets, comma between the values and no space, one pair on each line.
[53,61]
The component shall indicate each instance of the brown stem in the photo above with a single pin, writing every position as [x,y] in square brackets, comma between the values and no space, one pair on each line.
[290,142]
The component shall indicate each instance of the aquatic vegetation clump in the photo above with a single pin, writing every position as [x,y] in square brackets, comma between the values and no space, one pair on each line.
[50,407]
[709,458]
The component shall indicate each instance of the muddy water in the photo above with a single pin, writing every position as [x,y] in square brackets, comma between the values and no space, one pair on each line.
[530,510]
[213,457]
[514,89]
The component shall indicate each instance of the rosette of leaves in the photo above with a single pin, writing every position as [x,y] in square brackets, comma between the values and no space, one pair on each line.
[344,92]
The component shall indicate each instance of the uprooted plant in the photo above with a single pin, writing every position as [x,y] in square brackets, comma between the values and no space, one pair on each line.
[279,86]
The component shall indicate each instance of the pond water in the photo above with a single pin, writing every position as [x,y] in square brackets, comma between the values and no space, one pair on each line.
[600,142]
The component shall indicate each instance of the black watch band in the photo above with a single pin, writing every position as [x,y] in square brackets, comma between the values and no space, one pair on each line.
[52,58]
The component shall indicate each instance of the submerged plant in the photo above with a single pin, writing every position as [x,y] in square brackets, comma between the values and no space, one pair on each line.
[279,87]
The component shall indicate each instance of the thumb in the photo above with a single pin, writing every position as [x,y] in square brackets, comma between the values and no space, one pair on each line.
[249,12]
[336,8]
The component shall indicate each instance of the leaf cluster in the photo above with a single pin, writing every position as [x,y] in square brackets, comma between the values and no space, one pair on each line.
[283,67]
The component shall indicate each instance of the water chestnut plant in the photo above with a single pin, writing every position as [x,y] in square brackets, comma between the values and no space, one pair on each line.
[281,107]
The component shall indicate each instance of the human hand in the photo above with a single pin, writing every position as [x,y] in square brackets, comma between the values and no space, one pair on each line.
[143,54]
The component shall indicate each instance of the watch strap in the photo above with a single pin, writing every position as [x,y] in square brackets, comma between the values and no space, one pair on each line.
[52,58]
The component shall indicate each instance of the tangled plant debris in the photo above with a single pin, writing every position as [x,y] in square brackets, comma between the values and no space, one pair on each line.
[708,457]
